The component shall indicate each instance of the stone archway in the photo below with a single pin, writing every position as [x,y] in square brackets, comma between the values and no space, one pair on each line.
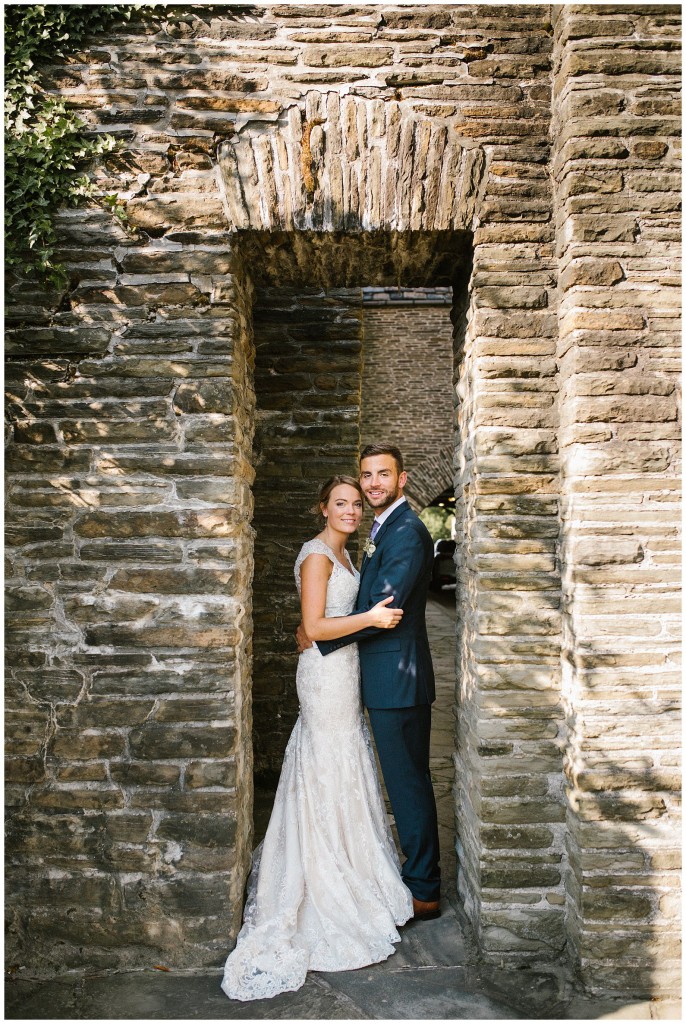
[293,195]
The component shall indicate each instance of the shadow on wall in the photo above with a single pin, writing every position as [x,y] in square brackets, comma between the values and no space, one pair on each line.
[623,850]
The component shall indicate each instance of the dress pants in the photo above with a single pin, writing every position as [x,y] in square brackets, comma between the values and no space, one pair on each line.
[402,740]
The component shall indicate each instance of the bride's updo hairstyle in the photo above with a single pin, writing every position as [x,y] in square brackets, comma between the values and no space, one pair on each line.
[325,494]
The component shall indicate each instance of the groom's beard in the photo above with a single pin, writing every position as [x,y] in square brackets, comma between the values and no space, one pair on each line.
[385,502]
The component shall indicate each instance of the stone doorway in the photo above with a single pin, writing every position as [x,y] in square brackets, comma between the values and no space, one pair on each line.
[313,374]
[336,368]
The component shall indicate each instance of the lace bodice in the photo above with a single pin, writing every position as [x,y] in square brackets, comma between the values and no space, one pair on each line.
[341,591]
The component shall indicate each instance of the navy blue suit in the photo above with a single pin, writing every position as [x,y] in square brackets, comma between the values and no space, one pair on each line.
[398,688]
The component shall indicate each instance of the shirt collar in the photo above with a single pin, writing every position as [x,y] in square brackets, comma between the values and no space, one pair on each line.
[388,511]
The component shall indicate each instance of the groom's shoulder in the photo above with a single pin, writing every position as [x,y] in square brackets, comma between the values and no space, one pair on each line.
[409,524]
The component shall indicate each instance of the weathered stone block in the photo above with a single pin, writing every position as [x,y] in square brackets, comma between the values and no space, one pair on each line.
[522,298]
[508,875]
[162,212]
[54,685]
[124,432]
[200,830]
[347,56]
[83,746]
[166,552]
[159,742]
[205,397]
[193,710]
[174,581]
[234,104]
[129,827]
[161,636]
[212,523]
[623,409]
[521,811]
[592,272]
[102,713]
[590,228]
[504,837]
[527,930]
[145,774]
[25,729]
[617,905]
[24,770]
[210,773]
[82,799]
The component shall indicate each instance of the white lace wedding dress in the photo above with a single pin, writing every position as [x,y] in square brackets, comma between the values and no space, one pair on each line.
[325,892]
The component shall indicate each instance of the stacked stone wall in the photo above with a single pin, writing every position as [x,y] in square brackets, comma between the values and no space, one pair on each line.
[510,740]
[129,475]
[617,191]
[129,562]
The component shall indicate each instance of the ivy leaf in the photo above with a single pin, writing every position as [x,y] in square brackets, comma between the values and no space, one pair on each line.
[46,150]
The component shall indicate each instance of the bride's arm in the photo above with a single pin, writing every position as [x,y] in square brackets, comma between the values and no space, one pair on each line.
[314,576]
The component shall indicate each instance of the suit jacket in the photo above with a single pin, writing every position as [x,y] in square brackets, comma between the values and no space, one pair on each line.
[396,666]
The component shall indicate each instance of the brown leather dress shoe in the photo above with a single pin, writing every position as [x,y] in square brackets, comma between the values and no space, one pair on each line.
[424,911]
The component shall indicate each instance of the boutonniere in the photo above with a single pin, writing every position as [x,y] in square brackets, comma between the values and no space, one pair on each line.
[369,547]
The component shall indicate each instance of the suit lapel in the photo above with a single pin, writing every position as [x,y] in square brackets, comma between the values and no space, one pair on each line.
[381,533]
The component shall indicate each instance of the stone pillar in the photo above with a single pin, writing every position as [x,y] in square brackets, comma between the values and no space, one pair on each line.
[616,119]
[508,761]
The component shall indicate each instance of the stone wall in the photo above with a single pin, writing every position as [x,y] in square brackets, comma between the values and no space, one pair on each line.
[130,558]
[128,572]
[310,150]
[617,192]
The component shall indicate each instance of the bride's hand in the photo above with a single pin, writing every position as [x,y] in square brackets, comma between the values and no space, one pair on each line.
[383,617]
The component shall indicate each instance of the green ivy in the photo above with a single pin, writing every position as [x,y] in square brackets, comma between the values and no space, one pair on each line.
[46,148]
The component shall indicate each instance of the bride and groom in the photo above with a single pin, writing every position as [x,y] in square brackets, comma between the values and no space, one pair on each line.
[326,891]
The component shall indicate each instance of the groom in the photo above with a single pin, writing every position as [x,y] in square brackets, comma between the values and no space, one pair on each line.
[397,673]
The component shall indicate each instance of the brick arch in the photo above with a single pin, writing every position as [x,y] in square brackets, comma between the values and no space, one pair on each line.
[431,477]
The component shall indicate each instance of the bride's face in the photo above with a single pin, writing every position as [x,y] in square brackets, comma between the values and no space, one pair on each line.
[344,509]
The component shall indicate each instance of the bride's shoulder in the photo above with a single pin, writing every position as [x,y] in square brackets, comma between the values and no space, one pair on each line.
[314,546]
[311,547]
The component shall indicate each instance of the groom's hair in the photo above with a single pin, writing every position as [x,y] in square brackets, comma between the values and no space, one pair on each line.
[383,449]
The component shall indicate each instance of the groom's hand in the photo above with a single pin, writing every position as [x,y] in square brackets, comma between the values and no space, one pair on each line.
[302,638]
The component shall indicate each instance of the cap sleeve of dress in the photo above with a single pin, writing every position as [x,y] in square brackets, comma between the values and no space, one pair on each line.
[311,547]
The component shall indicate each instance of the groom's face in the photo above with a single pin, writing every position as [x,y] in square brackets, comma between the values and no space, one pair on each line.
[380,481]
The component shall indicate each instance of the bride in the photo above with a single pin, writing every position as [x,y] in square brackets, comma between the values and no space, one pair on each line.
[325,892]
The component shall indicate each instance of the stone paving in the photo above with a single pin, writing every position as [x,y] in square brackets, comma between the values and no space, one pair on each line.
[435,973]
